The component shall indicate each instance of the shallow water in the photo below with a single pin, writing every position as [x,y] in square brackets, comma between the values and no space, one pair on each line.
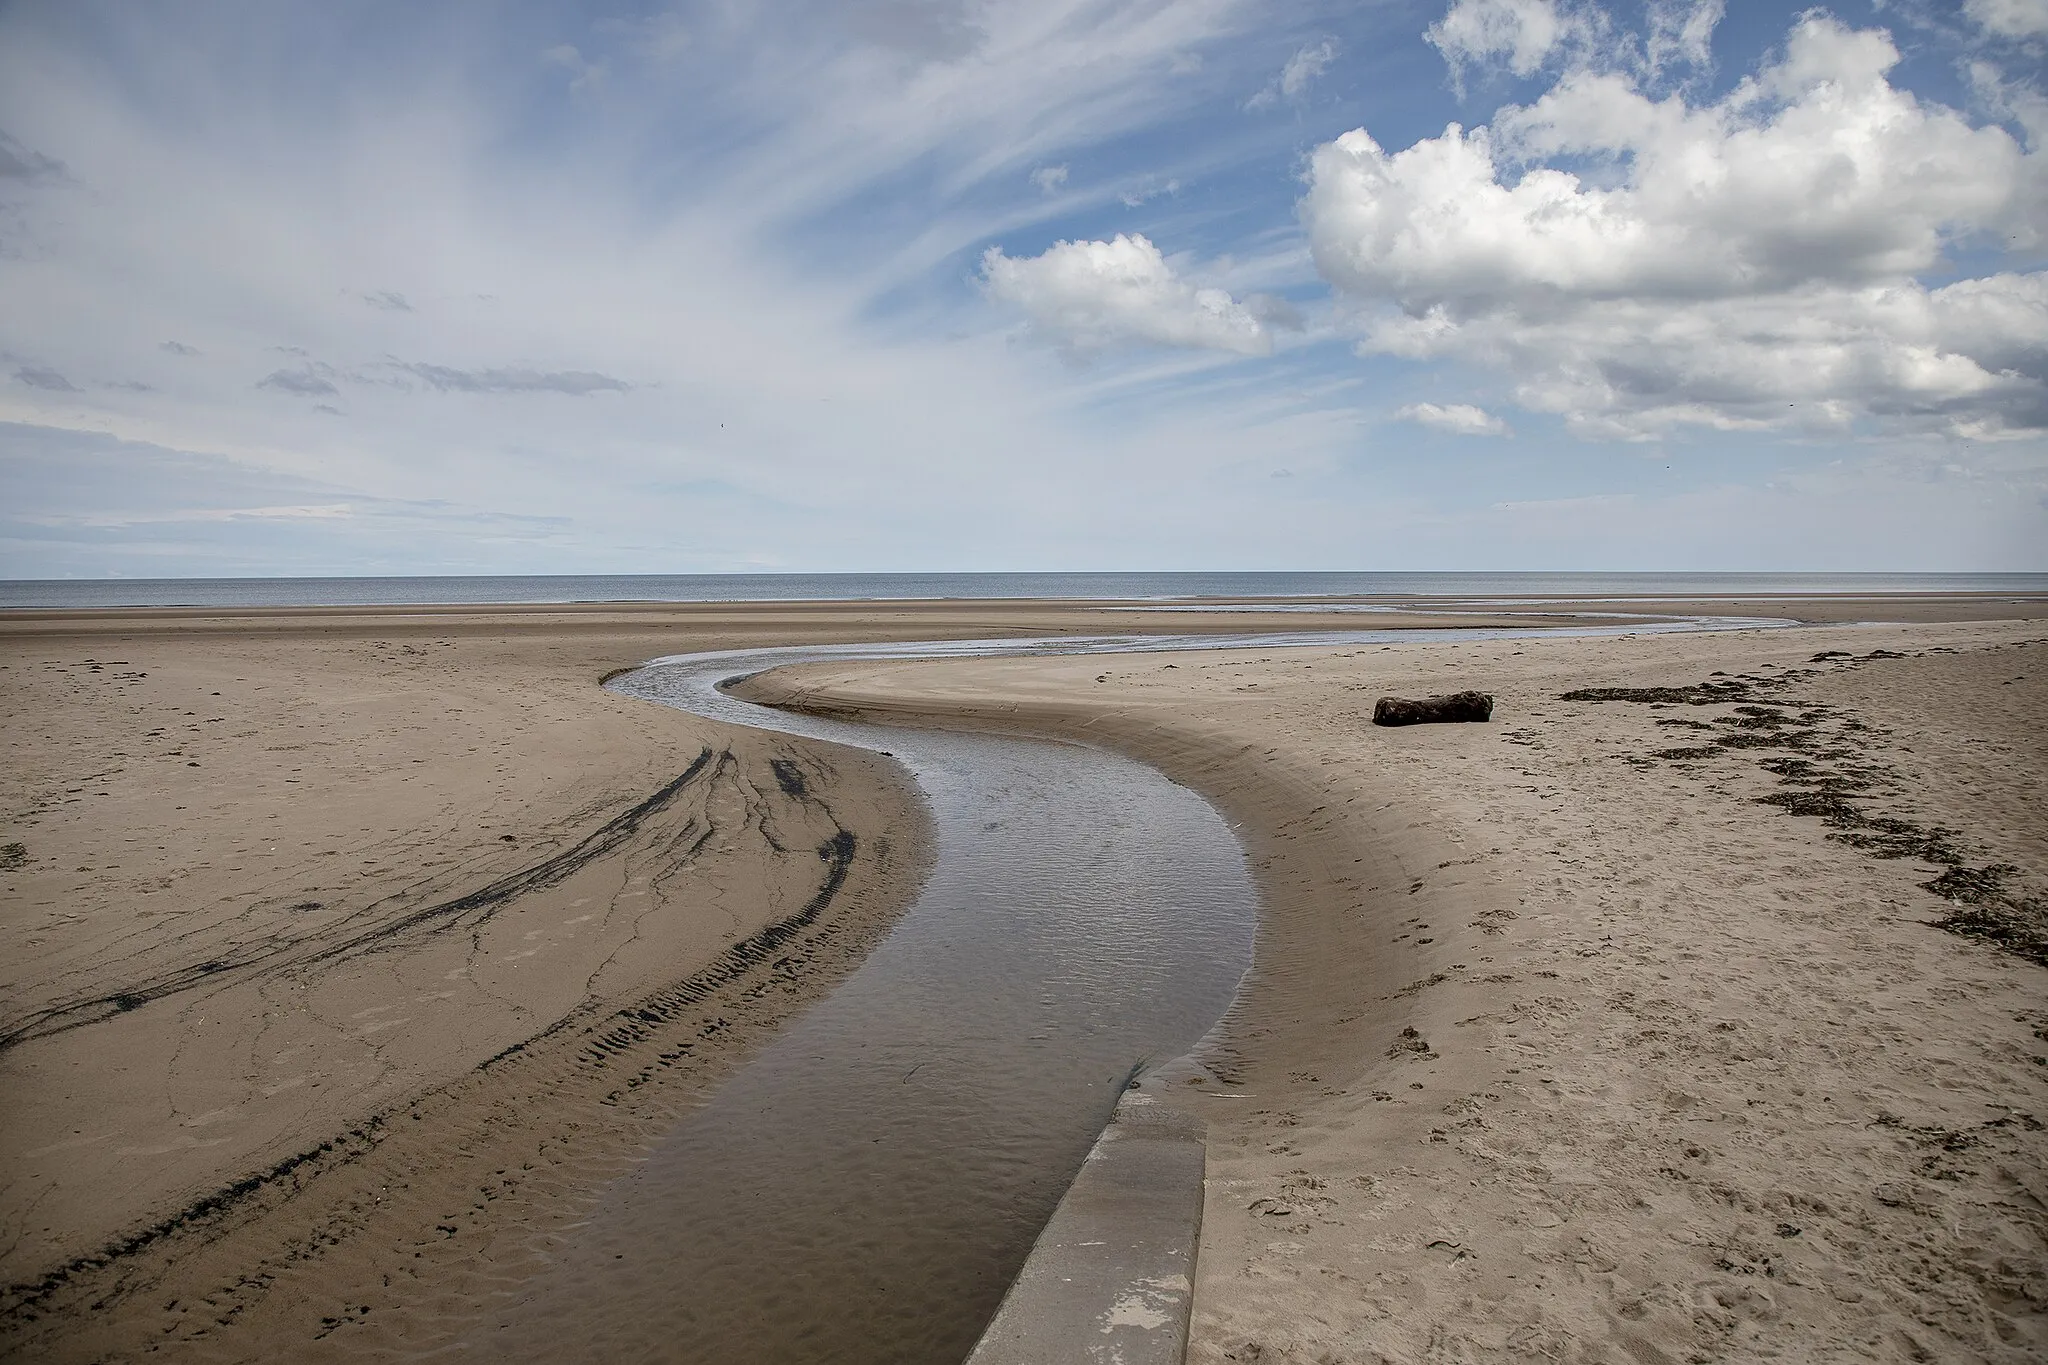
[867,1186]
[865,1189]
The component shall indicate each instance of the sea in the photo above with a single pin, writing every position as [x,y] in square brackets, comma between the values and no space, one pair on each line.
[862,587]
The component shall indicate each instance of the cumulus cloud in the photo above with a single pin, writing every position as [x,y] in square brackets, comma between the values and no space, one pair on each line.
[1681,34]
[178,348]
[1461,419]
[1521,35]
[1050,179]
[1092,294]
[1752,261]
[2011,19]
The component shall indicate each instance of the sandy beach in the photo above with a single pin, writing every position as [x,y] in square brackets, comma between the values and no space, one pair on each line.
[351,950]
[1616,1030]
[302,906]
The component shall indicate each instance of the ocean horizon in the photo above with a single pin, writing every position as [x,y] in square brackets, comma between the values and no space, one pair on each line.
[541,589]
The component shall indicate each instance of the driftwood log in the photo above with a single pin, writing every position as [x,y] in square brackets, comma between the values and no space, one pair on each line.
[1425,710]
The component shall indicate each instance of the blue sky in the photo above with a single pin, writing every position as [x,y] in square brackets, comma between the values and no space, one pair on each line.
[1071,284]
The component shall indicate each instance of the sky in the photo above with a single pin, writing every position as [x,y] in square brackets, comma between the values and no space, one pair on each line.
[929,285]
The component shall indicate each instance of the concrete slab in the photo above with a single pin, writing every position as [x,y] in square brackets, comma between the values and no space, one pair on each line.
[1110,1279]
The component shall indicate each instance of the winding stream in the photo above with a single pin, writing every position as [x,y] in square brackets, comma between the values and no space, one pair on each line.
[867,1186]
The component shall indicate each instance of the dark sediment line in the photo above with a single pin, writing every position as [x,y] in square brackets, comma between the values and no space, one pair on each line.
[461,912]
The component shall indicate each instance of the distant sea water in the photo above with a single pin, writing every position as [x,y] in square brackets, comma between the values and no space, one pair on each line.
[831,587]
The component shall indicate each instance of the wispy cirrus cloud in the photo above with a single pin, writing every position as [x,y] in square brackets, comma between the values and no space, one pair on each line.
[1301,71]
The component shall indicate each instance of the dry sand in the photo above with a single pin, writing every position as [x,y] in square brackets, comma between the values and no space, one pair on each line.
[1561,1044]
[1688,1078]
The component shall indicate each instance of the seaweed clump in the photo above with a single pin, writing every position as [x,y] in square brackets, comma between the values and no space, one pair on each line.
[1984,910]
[1697,694]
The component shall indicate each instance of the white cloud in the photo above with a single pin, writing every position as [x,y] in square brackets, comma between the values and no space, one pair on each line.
[1518,34]
[1304,66]
[1523,37]
[1147,189]
[2013,100]
[2019,19]
[1096,293]
[1294,79]
[1459,418]
[1050,179]
[1753,263]
[1681,33]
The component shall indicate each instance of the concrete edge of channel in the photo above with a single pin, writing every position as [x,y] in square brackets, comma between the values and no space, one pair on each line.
[1111,1278]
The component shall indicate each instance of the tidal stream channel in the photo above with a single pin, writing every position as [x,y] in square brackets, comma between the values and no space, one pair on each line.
[865,1188]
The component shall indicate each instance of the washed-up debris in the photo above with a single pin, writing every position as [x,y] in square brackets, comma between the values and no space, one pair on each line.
[1426,710]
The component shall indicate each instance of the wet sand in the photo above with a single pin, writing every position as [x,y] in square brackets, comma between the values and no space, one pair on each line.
[1654,1022]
